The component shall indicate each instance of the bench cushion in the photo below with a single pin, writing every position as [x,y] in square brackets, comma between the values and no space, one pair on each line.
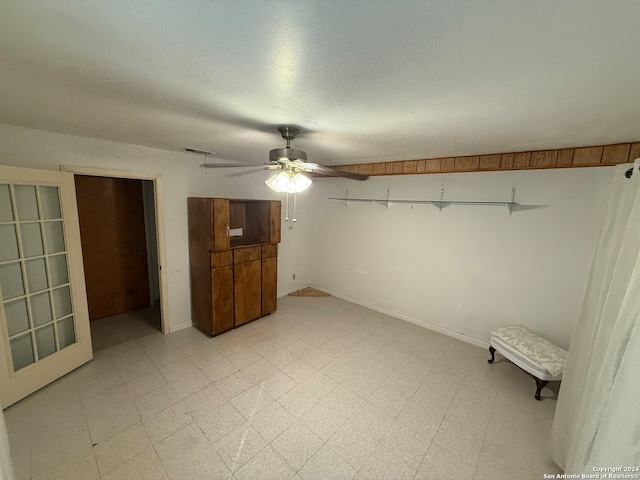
[522,361]
[538,349]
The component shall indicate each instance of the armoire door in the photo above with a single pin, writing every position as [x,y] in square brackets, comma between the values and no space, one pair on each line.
[247,292]
[269,278]
[275,221]
[44,323]
[221,299]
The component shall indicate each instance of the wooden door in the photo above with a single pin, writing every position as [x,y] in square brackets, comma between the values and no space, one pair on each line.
[275,221]
[269,285]
[247,291]
[220,214]
[221,307]
[222,299]
[44,324]
[114,246]
[269,278]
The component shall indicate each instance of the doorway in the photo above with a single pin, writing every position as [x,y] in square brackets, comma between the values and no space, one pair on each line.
[139,273]
[114,244]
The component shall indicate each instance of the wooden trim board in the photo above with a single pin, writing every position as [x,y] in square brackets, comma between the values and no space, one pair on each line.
[596,156]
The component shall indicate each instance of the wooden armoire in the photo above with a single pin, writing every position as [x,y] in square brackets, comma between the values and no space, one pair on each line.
[233,261]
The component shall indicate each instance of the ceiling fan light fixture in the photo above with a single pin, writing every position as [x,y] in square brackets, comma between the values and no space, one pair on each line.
[300,182]
[278,182]
[288,182]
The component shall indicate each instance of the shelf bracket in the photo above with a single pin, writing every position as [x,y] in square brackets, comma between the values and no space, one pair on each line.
[440,204]
[513,200]
[384,203]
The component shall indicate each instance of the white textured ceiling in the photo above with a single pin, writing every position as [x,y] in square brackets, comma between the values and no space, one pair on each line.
[366,80]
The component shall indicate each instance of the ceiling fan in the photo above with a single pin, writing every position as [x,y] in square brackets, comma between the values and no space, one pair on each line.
[289,160]
[294,170]
[296,160]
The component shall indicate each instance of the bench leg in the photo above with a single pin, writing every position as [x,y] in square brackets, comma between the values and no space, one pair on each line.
[540,384]
[492,351]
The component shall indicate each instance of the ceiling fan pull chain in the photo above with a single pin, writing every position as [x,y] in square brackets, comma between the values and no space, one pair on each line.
[295,198]
[286,214]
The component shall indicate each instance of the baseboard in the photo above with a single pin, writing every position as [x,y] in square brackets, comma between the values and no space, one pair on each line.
[431,326]
[180,326]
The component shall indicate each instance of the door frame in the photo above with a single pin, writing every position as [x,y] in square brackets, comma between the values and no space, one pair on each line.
[160,230]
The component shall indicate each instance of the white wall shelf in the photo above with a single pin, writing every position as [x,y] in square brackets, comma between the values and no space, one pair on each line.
[511,204]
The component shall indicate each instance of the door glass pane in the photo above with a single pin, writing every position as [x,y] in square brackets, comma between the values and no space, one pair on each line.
[49,203]
[55,237]
[31,239]
[11,280]
[17,316]
[62,301]
[58,270]
[26,202]
[41,308]
[8,243]
[22,351]
[6,213]
[36,275]
[66,332]
[45,341]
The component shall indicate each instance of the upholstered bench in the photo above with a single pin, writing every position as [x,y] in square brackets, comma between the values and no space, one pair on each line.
[537,356]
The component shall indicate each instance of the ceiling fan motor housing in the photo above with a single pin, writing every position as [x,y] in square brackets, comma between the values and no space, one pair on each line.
[287,155]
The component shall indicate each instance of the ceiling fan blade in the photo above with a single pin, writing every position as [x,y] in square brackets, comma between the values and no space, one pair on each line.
[225,165]
[305,165]
[247,172]
[322,171]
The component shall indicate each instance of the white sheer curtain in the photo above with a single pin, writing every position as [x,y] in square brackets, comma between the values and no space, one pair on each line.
[597,418]
[6,470]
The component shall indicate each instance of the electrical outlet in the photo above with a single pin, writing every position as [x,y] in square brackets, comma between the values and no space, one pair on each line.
[293,277]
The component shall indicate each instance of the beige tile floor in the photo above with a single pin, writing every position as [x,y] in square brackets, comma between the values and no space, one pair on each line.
[321,389]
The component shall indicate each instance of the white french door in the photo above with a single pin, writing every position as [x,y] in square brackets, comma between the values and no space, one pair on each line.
[44,321]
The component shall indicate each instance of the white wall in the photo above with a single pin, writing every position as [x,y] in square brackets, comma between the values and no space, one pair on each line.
[466,269]
[181,177]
